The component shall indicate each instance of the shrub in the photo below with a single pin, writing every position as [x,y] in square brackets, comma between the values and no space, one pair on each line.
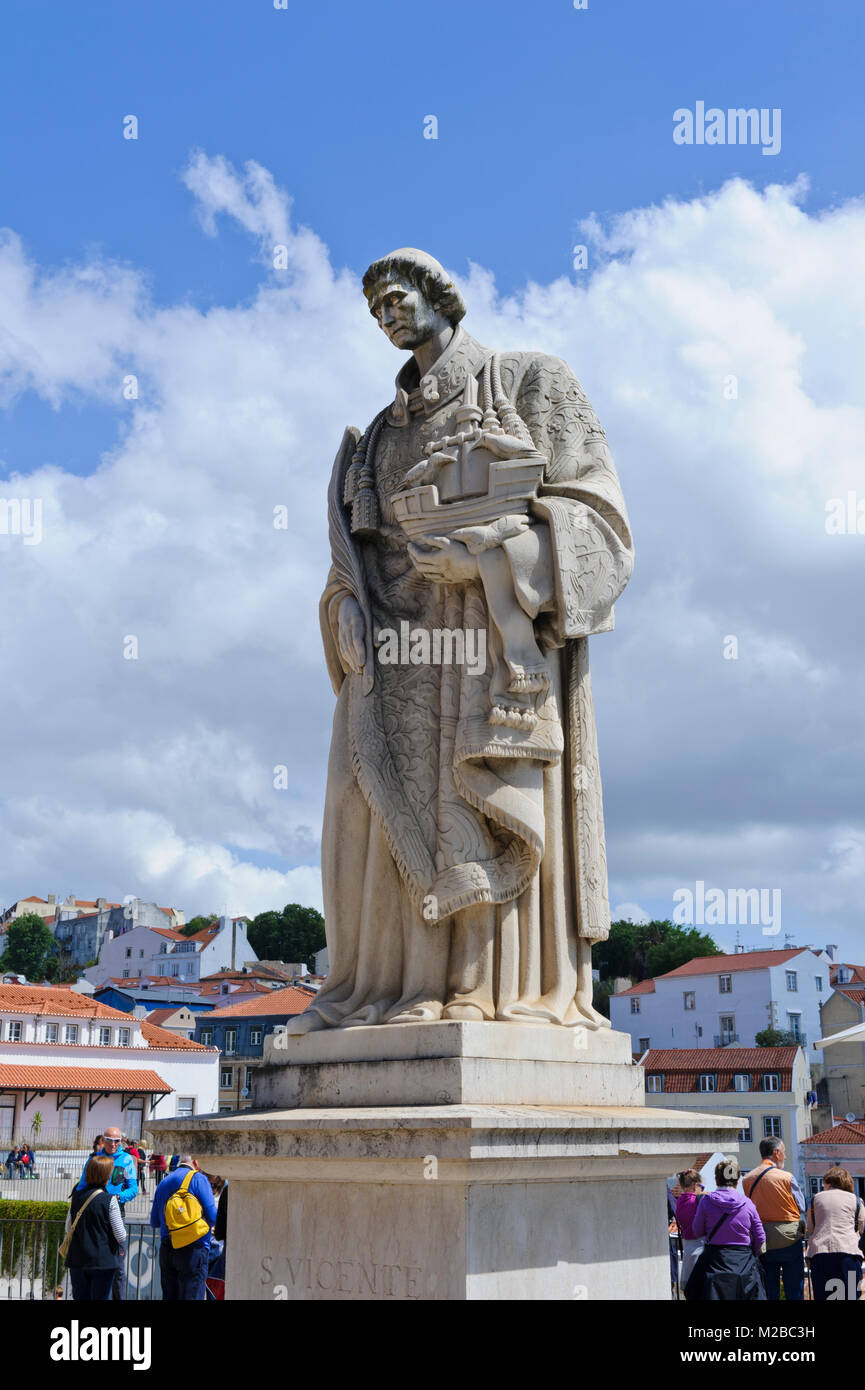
[32,1232]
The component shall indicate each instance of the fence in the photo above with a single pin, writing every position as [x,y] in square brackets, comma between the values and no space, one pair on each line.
[52,1137]
[31,1266]
[57,1172]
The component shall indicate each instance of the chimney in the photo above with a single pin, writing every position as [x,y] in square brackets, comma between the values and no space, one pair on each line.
[830,950]
[139,1011]
[52,898]
[101,904]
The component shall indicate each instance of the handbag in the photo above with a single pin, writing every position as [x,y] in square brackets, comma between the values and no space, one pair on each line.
[693,1290]
[67,1239]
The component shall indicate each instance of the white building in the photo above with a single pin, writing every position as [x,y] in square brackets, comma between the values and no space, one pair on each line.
[82,1066]
[147,951]
[718,1001]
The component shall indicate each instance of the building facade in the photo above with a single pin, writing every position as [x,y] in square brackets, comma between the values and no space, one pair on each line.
[238,1031]
[726,1000]
[843,1144]
[767,1087]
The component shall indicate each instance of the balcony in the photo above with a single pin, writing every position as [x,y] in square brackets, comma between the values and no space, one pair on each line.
[726,1039]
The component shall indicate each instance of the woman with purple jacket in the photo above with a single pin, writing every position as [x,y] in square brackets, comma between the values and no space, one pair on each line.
[728,1268]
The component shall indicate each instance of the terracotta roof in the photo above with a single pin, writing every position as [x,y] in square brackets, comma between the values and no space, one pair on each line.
[33,899]
[44,999]
[740,960]
[161,1038]
[843,1133]
[682,1066]
[158,1016]
[205,935]
[170,932]
[82,1079]
[857,995]
[281,1002]
[641,987]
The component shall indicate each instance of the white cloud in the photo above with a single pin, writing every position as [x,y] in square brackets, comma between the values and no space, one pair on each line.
[155,776]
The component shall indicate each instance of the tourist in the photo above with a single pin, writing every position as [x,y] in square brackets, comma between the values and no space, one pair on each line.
[184,1268]
[836,1220]
[12,1158]
[728,1269]
[28,1160]
[98,1233]
[122,1184]
[686,1209]
[158,1167]
[142,1169]
[781,1207]
[97,1145]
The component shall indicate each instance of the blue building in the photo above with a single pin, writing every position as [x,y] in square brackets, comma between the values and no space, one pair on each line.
[239,1032]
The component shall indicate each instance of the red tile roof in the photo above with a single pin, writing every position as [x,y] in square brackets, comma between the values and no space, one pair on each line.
[170,932]
[42,999]
[740,960]
[284,1002]
[162,1038]
[641,987]
[681,1067]
[82,1079]
[158,1016]
[857,995]
[843,1133]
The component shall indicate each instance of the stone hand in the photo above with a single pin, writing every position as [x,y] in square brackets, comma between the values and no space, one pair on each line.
[443,560]
[351,634]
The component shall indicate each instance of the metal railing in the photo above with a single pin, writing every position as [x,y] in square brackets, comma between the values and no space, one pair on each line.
[57,1172]
[725,1039]
[31,1266]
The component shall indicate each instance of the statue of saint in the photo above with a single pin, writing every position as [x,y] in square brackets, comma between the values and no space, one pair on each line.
[480,516]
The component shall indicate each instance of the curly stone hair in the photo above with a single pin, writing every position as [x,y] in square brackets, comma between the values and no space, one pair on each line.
[424,273]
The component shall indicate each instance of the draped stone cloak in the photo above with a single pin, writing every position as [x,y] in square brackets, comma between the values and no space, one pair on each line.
[464,862]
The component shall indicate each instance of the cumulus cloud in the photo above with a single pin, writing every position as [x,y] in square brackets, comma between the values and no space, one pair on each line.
[719,341]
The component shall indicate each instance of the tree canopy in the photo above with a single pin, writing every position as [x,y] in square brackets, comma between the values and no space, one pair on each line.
[30,948]
[198,924]
[294,934]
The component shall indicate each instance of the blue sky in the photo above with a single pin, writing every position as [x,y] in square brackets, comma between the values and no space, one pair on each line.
[546,116]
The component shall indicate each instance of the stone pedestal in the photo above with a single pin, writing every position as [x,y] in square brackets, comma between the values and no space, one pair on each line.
[475,1191]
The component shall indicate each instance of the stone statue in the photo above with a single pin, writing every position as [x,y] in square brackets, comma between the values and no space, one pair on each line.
[463,847]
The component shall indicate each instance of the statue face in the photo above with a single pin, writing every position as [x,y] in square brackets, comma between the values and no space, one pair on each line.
[405,315]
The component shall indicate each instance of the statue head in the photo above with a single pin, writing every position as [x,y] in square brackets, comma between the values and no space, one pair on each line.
[412,297]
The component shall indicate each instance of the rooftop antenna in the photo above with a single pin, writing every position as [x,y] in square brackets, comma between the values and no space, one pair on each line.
[788,940]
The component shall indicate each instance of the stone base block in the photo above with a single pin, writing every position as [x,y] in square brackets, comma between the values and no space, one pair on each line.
[449,1063]
[448,1202]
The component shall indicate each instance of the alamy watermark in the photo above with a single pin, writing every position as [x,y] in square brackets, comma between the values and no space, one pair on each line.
[21,516]
[729,907]
[739,126]
[438,646]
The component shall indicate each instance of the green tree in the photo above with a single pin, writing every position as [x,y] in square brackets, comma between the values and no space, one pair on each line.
[771,1037]
[29,946]
[642,950]
[198,924]
[294,934]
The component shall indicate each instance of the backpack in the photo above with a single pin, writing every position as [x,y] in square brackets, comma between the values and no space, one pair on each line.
[183,1215]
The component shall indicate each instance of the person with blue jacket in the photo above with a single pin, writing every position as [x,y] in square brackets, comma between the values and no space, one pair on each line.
[123,1185]
[184,1271]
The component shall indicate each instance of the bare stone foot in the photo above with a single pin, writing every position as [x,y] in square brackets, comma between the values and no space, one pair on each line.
[308,1022]
[465,1013]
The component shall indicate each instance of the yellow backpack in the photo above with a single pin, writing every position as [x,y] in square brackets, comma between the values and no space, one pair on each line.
[183,1215]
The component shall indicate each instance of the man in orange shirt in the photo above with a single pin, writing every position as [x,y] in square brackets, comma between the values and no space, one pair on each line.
[780,1206]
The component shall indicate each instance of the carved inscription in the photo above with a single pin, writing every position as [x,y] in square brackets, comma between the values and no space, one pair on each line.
[353,1278]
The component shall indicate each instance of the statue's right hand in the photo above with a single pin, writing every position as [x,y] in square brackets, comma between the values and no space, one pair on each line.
[351,634]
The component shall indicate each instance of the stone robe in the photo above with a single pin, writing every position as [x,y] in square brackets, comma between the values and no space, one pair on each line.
[464,863]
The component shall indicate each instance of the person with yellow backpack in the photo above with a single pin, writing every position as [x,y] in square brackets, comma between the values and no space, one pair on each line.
[184,1209]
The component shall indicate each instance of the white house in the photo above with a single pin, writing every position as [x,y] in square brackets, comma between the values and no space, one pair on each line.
[82,1066]
[717,1001]
[147,951]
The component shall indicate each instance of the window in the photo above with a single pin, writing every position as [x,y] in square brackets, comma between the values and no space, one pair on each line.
[635,1004]
[126,974]
[70,1117]
[104,1037]
[141,955]
[175,970]
[728,1028]
[742,1081]
[792,981]
[134,1118]
[225,1109]
[226,1076]
[707,1081]
[818,983]
[690,999]
[207,1037]
[725,984]
[14,1030]
[185,1106]
[255,1037]
[163,950]
[746,1134]
[655,1083]
[771,1126]
[230,1040]
[644,1044]
[794,1026]
[128,953]
[70,1033]
[771,1081]
[161,970]
[248,1078]
[843,976]
[51,1032]
[123,1037]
